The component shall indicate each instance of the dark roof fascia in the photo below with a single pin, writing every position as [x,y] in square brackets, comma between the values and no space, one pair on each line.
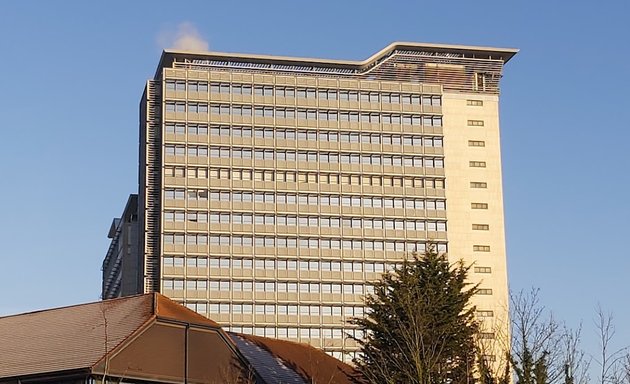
[54,376]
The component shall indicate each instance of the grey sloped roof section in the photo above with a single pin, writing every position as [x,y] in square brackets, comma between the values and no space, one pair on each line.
[270,368]
[68,338]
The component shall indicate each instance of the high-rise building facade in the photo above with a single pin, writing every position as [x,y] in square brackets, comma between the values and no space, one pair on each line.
[273,190]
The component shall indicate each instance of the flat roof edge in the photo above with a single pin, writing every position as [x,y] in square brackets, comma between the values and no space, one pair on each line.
[491,52]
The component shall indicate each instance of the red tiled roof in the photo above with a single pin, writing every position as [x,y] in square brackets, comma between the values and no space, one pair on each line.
[75,337]
[309,362]
[81,336]
[166,308]
[68,338]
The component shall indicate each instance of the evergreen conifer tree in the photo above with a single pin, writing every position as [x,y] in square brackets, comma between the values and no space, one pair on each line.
[420,327]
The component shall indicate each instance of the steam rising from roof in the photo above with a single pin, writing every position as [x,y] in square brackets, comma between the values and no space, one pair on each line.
[184,37]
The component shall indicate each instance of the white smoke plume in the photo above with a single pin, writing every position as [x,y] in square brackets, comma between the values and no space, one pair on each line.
[184,37]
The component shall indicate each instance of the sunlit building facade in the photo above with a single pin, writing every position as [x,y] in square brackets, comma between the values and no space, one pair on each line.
[273,190]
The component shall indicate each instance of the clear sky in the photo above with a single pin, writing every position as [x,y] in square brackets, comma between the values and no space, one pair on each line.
[73,72]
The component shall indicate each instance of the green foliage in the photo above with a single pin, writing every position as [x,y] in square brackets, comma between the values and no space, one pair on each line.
[486,375]
[530,370]
[420,326]
[537,341]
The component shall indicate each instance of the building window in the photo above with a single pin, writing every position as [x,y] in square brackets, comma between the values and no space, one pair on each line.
[481,313]
[480,227]
[480,81]
[478,184]
[483,270]
[260,90]
[476,143]
[474,103]
[198,108]
[174,150]
[174,238]
[198,151]
[481,248]
[215,88]
[486,335]
[175,128]
[173,261]
[432,121]
[196,285]
[241,89]
[285,92]
[174,171]
[306,93]
[479,205]
[174,194]
[196,129]
[173,106]
[477,164]
[490,358]
[435,101]
[484,291]
[198,86]
[475,123]
[175,85]
[173,284]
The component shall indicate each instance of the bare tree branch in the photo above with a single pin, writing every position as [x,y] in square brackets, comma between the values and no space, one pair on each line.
[611,361]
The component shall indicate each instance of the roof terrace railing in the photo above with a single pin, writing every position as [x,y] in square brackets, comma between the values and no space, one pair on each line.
[454,71]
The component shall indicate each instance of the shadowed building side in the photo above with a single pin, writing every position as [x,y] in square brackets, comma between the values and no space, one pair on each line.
[122,263]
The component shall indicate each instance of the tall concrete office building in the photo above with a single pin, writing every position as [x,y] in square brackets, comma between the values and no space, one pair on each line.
[273,190]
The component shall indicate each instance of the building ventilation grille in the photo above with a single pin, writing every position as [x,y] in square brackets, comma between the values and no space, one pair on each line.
[153,186]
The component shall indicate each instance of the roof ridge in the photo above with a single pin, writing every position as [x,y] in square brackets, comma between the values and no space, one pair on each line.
[163,307]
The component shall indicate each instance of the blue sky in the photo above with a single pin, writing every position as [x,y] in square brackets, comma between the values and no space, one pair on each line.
[73,73]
